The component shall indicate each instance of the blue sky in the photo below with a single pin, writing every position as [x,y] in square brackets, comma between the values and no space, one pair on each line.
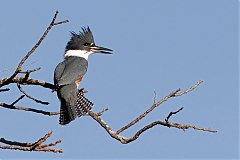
[159,45]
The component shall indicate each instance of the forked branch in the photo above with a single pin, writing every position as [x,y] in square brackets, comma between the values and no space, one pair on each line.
[166,123]
[156,104]
[25,80]
[36,146]
[6,81]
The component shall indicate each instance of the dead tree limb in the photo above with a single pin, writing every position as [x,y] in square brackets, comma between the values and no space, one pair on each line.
[36,146]
[125,140]
[6,81]
[4,105]
[171,113]
[17,100]
[21,80]
[30,97]
[25,80]
[166,123]
[156,104]
[4,90]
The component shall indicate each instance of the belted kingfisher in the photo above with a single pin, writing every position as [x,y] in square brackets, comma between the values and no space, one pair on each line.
[69,73]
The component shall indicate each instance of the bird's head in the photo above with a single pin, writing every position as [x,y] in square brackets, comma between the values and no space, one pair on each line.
[83,45]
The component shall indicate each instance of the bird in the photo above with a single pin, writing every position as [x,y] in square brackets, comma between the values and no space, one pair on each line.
[69,73]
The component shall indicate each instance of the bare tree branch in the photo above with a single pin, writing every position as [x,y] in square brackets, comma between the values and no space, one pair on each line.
[171,113]
[125,140]
[6,81]
[28,109]
[30,97]
[61,22]
[36,146]
[4,90]
[27,73]
[30,71]
[156,104]
[102,111]
[16,101]
[14,68]
[166,123]
[30,81]
[189,89]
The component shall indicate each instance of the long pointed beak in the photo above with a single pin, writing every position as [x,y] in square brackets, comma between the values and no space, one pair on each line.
[98,49]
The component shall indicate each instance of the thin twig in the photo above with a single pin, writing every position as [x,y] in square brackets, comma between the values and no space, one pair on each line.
[148,111]
[61,22]
[29,149]
[27,73]
[6,81]
[4,90]
[37,146]
[21,80]
[30,71]
[155,97]
[102,111]
[166,123]
[21,97]
[40,141]
[30,97]
[171,113]
[52,144]
[125,140]
[173,94]
[187,126]
[28,109]
[14,68]
[190,89]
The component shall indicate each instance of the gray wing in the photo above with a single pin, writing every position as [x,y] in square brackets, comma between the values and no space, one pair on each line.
[58,72]
[68,71]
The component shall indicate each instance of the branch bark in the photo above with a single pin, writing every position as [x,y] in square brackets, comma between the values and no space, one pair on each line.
[156,104]
[28,109]
[30,97]
[25,80]
[30,81]
[116,135]
[36,146]
[6,81]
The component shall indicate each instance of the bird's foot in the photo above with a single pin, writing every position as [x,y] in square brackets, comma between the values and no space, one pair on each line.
[82,90]
[55,88]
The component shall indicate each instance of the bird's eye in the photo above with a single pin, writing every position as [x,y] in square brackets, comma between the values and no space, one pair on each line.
[86,44]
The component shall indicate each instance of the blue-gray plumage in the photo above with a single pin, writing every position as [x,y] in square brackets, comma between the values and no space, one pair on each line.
[68,96]
[68,75]
[70,70]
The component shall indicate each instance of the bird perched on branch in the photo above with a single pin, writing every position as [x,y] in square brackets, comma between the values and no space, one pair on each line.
[69,73]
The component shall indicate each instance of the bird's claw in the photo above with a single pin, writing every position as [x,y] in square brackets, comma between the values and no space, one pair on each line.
[82,90]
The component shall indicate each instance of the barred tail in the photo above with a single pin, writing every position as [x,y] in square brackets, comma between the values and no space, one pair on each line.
[83,105]
[76,105]
[67,114]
